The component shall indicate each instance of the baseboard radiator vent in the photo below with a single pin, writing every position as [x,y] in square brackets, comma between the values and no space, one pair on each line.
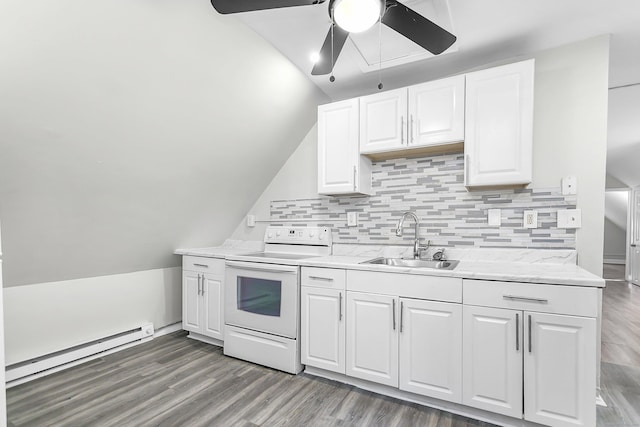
[29,370]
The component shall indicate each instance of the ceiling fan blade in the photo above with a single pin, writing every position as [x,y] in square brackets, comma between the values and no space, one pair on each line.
[236,6]
[417,28]
[325,65]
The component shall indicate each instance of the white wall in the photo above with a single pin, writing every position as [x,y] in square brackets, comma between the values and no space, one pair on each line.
[570,133]
[570,124]
[49,317]
[128,129]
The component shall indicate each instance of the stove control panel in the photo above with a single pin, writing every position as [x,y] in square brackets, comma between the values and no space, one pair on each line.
[299,235]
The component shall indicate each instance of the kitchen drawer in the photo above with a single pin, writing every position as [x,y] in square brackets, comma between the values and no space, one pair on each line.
[559,299]
[332,278]
[203,264]
[406,285]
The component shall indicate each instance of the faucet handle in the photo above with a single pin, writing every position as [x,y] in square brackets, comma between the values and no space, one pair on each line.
[438,255]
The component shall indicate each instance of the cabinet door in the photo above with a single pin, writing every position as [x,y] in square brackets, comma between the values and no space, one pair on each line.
[383,121]
[431,349]
[191,301]
[372,338]
[338,151]
[560,370]
[499,125]
[213,307]
[436,112]
[323,328]
[492,359]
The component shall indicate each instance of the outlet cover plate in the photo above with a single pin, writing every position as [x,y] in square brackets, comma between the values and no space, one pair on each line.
[494,217]
[352,219]
[569,185]
[530,219]
[570,218]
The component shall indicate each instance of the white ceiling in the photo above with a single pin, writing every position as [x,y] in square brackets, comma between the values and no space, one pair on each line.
[487,31]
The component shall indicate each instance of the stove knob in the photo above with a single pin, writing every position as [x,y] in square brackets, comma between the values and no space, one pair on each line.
[311,234]
[323,235]
[278,233]
[270,235]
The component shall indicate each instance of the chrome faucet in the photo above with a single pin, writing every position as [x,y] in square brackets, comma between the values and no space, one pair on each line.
[417,247]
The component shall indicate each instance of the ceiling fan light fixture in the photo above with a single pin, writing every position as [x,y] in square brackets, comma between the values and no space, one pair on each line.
[356,16]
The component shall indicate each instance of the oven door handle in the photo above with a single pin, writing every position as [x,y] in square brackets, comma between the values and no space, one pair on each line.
[267,268]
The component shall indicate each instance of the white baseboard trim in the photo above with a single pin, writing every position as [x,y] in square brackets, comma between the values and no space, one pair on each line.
[169,329]
[30,370]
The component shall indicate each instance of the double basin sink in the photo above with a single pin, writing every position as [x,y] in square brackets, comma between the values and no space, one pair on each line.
[414,263]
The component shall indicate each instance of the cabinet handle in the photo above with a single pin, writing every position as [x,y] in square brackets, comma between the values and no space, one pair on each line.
[401,313]
[202,285]
[201,265]
[517,331]
[402,130]
[529,299]
[340,308]
[411,136]
[354,178]
[529,333]
[198,284]
[633,245]
[328,279]
[394,315]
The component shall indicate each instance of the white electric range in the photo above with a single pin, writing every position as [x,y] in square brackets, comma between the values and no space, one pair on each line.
[262,297]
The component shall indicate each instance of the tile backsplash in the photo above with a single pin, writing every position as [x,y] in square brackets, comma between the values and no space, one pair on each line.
[449,215]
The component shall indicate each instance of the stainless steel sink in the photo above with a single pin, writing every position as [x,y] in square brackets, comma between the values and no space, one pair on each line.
[413,263]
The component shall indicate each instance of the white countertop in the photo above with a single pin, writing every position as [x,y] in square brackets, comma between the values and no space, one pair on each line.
[539,272]
[529,266]
[229,247]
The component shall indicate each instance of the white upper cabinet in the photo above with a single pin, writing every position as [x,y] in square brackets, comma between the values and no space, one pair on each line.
[341,169]
[383,121]
[499,125]
[436,112]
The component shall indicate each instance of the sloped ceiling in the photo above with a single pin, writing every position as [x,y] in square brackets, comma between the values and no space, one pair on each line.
[129,129]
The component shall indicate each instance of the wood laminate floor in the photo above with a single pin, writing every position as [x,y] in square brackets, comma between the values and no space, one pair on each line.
[175,381]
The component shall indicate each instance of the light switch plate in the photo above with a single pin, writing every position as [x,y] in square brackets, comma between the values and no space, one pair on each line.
[530,219]
[251,220]
[493,216]
[569,185]
[570,218]
[352,219]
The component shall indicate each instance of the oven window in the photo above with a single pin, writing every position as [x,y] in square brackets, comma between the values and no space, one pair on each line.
[259,296]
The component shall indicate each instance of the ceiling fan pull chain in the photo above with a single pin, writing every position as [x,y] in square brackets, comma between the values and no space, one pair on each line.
[380,86]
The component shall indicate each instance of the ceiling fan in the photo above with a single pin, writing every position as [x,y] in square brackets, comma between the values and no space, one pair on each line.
[392,13]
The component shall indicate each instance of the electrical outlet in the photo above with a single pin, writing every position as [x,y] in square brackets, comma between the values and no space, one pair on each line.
[570,218]
[569,185]
[530,219]
[352,219]
[494,217]
[251,220]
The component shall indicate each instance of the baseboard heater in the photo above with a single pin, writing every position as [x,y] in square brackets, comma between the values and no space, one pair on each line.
[23,372]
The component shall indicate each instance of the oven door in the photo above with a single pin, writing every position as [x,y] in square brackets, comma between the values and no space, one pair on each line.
[262,297]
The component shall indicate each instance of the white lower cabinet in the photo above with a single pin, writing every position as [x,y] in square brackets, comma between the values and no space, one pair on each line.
[323,328]
[431,348]
[492,360]
[547,361]
[372,338]
[559,370]
[202,284]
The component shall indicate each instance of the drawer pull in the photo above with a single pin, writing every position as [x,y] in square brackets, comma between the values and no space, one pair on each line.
[394,315]
[340,309]
[201,265]
[529,299]
[328,279]
[401,313]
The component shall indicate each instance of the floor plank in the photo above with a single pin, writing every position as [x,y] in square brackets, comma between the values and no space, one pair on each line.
[173,380]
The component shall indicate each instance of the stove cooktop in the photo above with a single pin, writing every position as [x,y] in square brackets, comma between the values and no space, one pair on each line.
[276,255]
